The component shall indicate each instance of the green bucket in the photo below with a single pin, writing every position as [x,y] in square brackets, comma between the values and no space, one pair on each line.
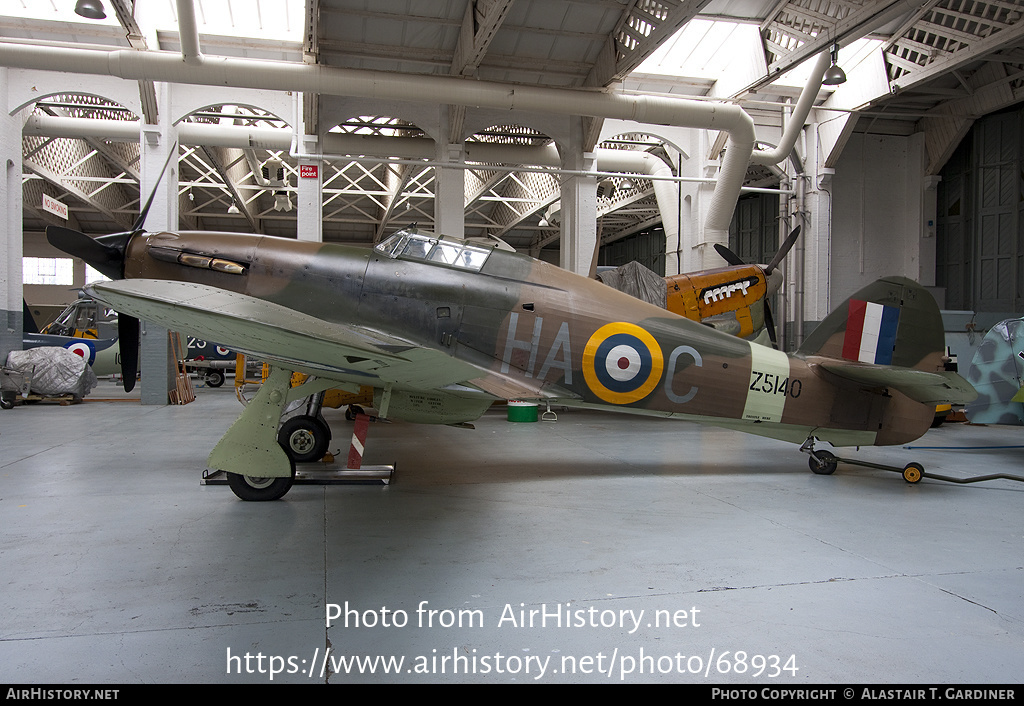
[522,411]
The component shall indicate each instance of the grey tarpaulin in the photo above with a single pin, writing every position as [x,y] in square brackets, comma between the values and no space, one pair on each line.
[637,281]
[55,371]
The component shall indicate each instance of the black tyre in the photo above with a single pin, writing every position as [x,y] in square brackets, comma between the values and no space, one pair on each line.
[214,378]
[823,463]
[304,438]
[254,489]
[913,472]
[6,402]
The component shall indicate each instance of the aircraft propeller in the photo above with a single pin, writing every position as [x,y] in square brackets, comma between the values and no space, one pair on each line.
[106,254]
[734,259]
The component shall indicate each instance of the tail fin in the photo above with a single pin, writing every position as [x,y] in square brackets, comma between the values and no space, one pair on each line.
[893,321]
[889,334]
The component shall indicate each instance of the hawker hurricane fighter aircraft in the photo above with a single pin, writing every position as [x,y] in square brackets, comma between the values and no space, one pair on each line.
[442,327]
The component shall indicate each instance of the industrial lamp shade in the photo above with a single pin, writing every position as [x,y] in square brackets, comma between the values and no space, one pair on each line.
[834,76]
[91,9]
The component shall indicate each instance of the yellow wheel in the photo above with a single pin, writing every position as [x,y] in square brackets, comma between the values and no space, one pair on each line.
[913,472]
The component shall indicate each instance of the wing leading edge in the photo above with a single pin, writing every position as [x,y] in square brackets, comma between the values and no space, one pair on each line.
[292,339]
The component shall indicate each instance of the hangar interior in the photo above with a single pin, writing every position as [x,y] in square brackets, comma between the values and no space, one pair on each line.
[342,121]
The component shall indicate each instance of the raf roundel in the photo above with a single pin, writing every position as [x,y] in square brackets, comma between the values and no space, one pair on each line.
[82,349]
[622,363]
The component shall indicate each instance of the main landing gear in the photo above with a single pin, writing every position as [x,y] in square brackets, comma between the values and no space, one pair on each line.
[305,438]
[825,463]
[259,459]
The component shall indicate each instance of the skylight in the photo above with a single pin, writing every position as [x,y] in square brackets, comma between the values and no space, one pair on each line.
[264,19]
[730,52]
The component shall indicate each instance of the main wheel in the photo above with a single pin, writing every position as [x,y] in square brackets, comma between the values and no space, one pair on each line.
[823,463]
[304,438]
[913,472]
[214,378]
[255,489]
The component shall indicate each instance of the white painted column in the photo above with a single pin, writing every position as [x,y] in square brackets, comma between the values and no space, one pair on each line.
[156,360]
[449,185]
[10,225]
[579,205]
[817,233]
[310,222]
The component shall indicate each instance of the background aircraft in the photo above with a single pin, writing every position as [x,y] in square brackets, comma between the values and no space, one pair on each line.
[733,299]
[81,324]
[441,328]
[997,373]
[102,354]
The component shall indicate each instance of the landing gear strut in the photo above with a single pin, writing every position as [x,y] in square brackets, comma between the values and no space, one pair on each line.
[258,466]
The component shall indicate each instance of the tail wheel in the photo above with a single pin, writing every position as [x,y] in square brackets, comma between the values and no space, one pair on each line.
[823,463]
[304,438]
[913,472]
[256,489]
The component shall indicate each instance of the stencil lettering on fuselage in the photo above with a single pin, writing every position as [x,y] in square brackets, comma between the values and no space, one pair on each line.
[769,384]
[559,356]
[673,362]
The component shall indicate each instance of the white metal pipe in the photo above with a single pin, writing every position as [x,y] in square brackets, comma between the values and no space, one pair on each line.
[188,33]
[799,116]
[314,78]
[418,151]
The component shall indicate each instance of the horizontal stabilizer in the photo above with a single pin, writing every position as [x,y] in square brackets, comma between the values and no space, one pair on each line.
[924,387]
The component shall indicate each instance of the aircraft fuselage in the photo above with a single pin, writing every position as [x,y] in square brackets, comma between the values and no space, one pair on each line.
[581,342]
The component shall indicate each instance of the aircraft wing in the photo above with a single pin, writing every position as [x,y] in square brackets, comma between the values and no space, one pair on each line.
[277,334]
[919,385]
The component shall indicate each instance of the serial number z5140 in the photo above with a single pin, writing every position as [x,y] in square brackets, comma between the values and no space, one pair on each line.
[772,384]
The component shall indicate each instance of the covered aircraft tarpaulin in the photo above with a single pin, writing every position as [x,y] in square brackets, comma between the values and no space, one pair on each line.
[54,371]
[637,281]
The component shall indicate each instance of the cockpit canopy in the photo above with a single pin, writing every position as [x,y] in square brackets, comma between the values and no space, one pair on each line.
[441,250]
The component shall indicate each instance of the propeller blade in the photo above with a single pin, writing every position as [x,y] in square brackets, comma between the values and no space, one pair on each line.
[105,253]
[787,245]
[128,340]
[78,244]
[137,226]
[729,256]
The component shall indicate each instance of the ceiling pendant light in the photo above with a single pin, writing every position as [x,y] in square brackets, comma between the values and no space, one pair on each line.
[90,9]
[834,75]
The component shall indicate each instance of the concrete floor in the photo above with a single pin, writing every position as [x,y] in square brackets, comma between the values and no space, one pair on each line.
[118,566]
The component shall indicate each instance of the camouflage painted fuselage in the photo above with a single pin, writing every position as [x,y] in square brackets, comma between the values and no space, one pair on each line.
[568,339]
